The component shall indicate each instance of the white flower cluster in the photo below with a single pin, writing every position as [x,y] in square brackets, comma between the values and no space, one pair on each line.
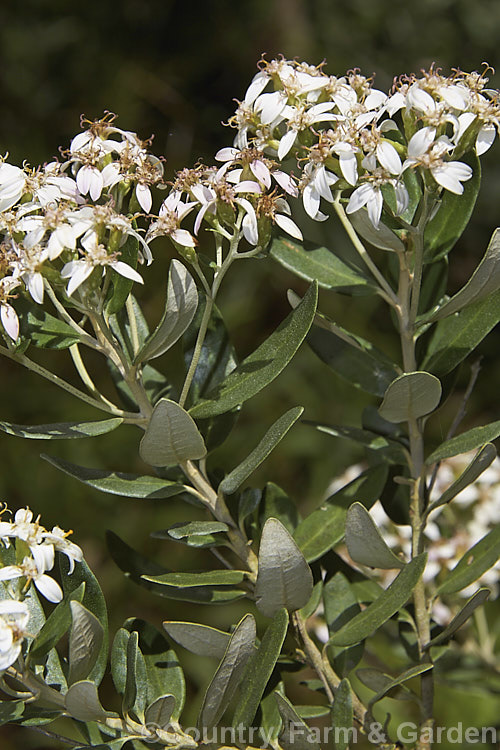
[65,219]
[42,545]
[347,134]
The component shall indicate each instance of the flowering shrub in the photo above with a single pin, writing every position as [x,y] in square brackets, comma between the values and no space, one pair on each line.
[401,172]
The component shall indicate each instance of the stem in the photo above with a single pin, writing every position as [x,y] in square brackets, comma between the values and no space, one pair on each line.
[134,335]
[323,668]
[385,289]
[86,338]
[86,379]
[410,282]
[202,332]
[22,359]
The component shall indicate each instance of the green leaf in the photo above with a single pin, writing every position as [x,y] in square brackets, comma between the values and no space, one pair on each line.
[353,358]
[467,441]
[270,440]
[383,608]
[397,681]
[56,625]
[341,605]
[44,330]
[320,264]
[85,642]
[391,450]
[342,715]
[195,533]
[119,659]
[458,335]
[94,601]
[381,236]
[380,682]
[181,304]
[314,600]
[134,696]
[365,543]
[284,579]
[121,285]
[444,230]
[295,735]
[205,578]
[201,640]
[117,482]
[171,436]
[483,458]
[262,366]
[159,713]
[164,673]
[410,396]
[61,430]
[277,504]
[10,711]
[471,566]
[324,527]
[229,673]
[475,601]
[484,281]
[260,668]
[82,702]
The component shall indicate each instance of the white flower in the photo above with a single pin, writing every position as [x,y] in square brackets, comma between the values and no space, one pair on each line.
[14,618]
[57,538]
[30,570]
[283,220]
[8,315]
[78,271]
[425,152]
[90,180]
[317,185]
[369,195]
[12,183]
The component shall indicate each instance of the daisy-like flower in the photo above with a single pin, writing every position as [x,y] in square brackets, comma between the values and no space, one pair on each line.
[14,618]
[34,570]
[424,151]
[96,256]
[58,539]
[168,224]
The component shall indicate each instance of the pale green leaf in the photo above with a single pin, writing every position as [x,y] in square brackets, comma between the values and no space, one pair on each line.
[410,396]
[201,640]
[475,601]
[483,458]
[82,702]
[342,715]
[259,670]
[61,430]
[321,265]
[206,578]
[471,566]
[270,440]
[182,301]
[383,608]
[229,673]
[381,236]
[264,364]
[395,682]
[484,280]
[117,482]
[458,335]
[284,579]
[171,437]
[465,442]
[324,528]
[295,734]
[159,713]
[365,543]
[85,641]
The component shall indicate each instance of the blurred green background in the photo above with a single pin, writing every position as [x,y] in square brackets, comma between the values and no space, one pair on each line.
[173,69]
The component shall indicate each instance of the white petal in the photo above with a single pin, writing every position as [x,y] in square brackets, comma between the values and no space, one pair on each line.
[9,656]
[311,200]
[183,237]
[261,172]
[10,321]
[227,154]
[83,179]
[127,271]
[375,99]
[286,182]
[110,174]
[286,143]
[359,198]
[349,167]
[247,186]
[485,138]
[322,182]
[199,217]
[250,229]
[447,179]
[257,86]
[270,106]
[374,206]
[421,141]
[49,588]
[79,141]
[144,197]
[288,226]
[43,555]
[402,198]
[454,96]
[35,287]
[388,157]
[96,184]
[420,99]
[79,276]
